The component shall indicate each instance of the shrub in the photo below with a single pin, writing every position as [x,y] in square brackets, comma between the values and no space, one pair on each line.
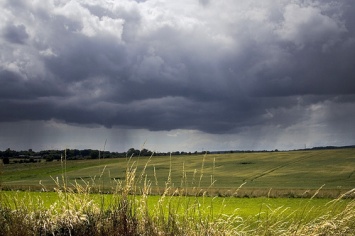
[6,160]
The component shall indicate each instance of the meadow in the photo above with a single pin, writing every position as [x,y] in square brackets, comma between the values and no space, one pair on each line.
[243,207]
[273,174]
[266,193]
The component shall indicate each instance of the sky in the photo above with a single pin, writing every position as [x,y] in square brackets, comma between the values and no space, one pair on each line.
[187,75]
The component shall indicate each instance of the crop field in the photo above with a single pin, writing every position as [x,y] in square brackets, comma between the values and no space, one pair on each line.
[266,193]
[273,174]
[243,207]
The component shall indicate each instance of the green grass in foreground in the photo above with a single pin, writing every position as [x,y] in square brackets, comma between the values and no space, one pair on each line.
[69,213]
[75,209]
[243,207]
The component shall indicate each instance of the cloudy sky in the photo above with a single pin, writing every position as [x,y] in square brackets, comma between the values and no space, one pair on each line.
[176,75]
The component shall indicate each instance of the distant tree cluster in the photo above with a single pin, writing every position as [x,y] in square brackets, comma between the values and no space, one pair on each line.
[332,147]
[29,156]
[136,152]
[12,156]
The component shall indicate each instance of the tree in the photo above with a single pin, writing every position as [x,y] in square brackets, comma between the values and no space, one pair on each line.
[94,154]
[131,152]
[146,152]
[6,160]
[8,153]
[85,152]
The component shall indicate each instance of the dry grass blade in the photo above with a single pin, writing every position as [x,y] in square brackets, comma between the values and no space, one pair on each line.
[75,212]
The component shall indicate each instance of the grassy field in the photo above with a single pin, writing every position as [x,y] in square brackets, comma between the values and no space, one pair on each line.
[273,174]
[243,207]
[182,195]
[77,211]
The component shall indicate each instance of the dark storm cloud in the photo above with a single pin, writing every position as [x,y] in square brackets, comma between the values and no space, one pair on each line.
[15,34]
[218,68]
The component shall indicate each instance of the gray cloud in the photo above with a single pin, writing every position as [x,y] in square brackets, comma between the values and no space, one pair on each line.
[15,34]
[204,2]
[222,67]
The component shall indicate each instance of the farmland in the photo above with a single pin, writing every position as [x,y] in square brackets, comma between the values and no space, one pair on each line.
[243,207]
[277,173]
[266,193]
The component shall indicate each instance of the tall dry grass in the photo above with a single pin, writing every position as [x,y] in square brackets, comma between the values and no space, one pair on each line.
[126,213]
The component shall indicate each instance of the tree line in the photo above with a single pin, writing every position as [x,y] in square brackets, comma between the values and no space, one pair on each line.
[29,156]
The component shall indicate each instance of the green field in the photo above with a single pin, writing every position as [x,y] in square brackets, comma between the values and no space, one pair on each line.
[67,213]
[266,193]
[243,207]
[275,174]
